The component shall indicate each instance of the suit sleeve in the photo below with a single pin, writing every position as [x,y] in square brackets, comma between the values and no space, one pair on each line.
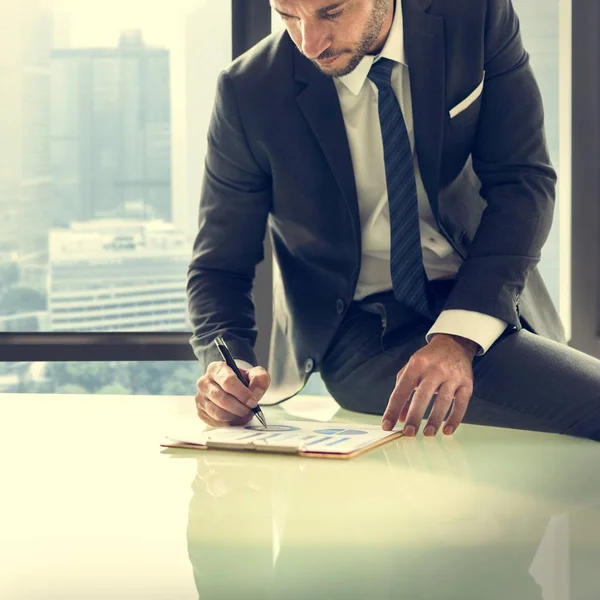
[510,157]
[234,207]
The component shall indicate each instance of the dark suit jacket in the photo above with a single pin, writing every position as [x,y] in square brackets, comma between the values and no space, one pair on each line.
[278,154]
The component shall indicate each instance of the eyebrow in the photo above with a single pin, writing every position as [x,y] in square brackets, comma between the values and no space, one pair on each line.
[320,12]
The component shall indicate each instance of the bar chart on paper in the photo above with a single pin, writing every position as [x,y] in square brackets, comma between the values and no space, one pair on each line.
[309,437]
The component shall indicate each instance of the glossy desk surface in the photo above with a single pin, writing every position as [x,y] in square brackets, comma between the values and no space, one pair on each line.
[92,507]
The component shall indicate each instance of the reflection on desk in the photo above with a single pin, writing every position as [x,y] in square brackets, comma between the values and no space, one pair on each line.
[92,507]
[419,518]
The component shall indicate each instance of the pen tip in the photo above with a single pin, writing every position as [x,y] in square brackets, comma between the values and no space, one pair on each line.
[262,419]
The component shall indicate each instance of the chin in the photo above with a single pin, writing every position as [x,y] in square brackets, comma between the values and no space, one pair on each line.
[341,67]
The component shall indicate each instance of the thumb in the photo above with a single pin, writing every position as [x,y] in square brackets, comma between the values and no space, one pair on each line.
[258,381]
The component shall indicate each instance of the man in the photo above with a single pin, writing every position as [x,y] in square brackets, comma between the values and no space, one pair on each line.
[397,152]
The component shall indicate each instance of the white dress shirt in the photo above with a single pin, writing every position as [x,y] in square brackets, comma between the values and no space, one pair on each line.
[359,102]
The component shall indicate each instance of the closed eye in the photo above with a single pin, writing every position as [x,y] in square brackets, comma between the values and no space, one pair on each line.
[333,16]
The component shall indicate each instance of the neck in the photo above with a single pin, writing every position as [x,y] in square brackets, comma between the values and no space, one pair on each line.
[379,43]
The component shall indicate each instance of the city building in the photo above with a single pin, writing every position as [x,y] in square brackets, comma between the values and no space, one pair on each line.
[25,171]
[111,131]
[109,275]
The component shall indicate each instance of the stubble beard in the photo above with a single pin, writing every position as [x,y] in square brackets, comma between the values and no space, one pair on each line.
[370,35]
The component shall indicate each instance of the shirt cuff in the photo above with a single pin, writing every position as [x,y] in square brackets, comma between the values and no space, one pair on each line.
[478,327]
[242,364]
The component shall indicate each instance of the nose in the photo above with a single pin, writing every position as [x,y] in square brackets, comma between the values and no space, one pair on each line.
[314,40]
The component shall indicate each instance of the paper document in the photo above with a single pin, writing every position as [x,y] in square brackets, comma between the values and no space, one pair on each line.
[312,437]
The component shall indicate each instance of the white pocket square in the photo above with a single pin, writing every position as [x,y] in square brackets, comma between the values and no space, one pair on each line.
[461,106]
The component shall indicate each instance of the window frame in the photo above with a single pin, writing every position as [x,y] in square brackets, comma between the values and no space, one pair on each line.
[585,186]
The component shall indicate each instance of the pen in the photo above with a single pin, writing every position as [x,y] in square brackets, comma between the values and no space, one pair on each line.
[224,351]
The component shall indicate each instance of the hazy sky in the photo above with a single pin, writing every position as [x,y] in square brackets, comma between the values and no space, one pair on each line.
[98,22]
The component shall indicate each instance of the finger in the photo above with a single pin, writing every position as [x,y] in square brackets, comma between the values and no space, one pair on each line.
[231,385]
[219,398]
[259,381]
[462,397]
[405,385]
[404,411]
[204,416]
[406,407]
[207,419]
[218,414]
[440,408]
[419,404]
[208,393]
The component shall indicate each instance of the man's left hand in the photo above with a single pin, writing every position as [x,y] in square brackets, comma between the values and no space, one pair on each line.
[445,367]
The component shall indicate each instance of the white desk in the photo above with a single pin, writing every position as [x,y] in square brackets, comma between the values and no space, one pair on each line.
[92,507]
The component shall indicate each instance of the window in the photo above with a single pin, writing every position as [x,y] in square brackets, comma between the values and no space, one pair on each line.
[546,31]
[105,111]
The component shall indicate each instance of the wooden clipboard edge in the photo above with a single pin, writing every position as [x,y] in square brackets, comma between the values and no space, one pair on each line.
[385,440]
[231,448]
[176,444]
[288,451]
[270,448]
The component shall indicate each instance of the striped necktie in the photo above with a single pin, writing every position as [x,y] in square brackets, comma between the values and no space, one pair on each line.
[406,256]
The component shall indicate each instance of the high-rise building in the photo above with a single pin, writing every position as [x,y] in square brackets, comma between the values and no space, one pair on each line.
[111,131]
[110,275]
[25,172]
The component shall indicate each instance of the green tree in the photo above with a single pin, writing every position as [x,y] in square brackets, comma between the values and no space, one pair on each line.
[71,388]
[182,382]
[91,376]
[28,386]
[115,389]
[173,378]
[150,377]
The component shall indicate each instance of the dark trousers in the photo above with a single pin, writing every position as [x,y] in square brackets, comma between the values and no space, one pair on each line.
[524,381]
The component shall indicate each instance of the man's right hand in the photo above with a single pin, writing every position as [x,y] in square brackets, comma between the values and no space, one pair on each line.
[223,400]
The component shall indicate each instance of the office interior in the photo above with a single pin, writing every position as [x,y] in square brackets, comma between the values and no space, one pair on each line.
[104,115]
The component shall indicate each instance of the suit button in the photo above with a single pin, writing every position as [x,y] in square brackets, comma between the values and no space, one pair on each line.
[309,365]
[339,306]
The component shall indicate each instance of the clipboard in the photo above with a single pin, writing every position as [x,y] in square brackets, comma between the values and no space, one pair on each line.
[335,441]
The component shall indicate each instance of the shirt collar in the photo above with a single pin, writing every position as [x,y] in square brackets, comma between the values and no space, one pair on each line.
[392,49]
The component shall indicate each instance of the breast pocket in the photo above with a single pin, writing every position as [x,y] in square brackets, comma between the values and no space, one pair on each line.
[468,108]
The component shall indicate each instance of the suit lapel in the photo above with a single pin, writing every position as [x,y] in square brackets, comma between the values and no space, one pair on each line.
[320,105]
[425,53]
[319,102]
